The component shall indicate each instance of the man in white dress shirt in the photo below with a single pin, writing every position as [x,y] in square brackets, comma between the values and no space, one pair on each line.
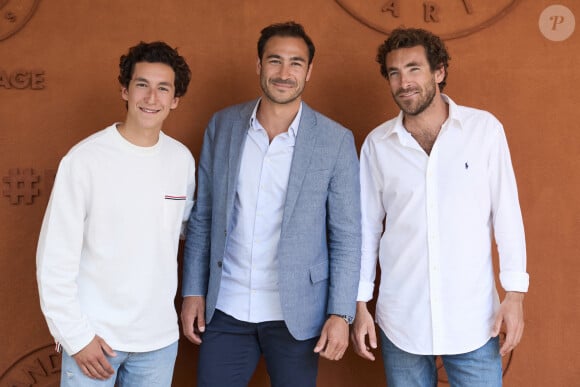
[436,184]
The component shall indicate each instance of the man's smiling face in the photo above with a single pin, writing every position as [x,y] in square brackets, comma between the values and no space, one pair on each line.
[150,95]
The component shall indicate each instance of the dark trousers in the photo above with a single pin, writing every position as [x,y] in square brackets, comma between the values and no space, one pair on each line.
[230,351]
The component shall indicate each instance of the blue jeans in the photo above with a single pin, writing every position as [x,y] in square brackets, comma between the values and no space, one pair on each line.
[479,368]
[132,369]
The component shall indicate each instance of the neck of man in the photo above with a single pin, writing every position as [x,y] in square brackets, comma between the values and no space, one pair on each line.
[144,137]
[425,126]
[276,118]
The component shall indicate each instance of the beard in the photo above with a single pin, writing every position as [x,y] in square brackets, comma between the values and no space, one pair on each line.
[279,98]
[414,108]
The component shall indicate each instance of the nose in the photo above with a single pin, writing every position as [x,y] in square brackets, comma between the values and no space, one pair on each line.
[285,71]
[405,80]
[151,95]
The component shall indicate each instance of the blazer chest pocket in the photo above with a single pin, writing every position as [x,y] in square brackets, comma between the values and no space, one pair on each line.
[319,272]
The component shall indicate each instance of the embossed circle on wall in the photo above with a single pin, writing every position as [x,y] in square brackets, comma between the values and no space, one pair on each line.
[39,368]
[448,19]
[14,14]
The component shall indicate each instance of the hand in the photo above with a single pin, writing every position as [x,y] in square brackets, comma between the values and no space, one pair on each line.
[511,313]
[193,318]
[92,361]
[362,327]
[333,340]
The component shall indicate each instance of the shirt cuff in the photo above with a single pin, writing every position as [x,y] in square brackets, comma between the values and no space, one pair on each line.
[514,281]
[75,344]
[365,291]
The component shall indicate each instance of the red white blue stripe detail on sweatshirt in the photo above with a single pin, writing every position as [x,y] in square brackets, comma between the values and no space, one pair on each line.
[173,197]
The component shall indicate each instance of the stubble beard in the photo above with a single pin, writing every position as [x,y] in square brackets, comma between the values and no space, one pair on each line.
[264,83]
[414,109]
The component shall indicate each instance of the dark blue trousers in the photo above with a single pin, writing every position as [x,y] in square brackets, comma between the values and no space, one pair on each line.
[230,351]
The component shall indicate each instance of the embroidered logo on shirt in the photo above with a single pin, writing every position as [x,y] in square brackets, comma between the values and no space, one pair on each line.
[173,197]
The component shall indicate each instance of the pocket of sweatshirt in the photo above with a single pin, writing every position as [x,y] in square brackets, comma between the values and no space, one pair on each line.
[173,208]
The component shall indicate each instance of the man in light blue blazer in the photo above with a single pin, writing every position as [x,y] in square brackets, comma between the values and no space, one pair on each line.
[272,256]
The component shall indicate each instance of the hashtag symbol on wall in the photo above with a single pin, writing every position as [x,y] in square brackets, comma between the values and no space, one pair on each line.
[20,184]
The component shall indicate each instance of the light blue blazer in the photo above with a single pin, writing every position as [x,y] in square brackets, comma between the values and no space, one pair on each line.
[320,242]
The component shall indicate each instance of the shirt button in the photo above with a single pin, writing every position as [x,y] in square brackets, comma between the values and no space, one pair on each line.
[220,264]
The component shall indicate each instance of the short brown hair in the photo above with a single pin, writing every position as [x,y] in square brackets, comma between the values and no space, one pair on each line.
[435,49]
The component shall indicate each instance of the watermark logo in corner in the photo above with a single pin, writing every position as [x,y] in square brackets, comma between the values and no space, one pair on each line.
[557,23]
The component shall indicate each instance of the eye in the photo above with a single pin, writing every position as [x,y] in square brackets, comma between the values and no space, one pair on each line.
[392,74]
[163,88]
[140,84]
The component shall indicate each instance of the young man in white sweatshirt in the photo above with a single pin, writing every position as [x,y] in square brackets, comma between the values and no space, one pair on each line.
[107,252]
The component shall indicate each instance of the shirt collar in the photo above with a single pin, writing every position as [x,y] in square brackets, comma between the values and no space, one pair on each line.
[454,116]
[292,130]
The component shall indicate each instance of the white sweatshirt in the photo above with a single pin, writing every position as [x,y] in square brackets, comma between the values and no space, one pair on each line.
[107,252]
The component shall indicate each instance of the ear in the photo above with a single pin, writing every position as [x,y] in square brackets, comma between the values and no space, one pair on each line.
[124,93]
[174,103]
[439,74]
[309,71]
[258,66]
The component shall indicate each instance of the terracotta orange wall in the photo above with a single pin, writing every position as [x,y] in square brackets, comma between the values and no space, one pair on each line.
[509,68]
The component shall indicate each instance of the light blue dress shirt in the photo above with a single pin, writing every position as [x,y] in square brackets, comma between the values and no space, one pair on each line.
[249,285]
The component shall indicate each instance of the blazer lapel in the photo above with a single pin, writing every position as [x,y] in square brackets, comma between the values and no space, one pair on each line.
[239,131]
[303,148]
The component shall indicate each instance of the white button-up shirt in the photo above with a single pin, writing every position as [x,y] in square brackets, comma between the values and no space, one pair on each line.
[437,291]
[249,285]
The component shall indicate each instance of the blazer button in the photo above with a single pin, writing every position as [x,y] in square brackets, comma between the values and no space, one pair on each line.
[219,263]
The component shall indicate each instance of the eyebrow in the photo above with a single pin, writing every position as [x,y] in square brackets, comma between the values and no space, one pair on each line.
[413,64]
[140,79]
[293,58]
[407,65]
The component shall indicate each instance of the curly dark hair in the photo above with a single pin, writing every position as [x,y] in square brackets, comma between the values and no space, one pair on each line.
[435,49]
[287,29]
[155,52]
